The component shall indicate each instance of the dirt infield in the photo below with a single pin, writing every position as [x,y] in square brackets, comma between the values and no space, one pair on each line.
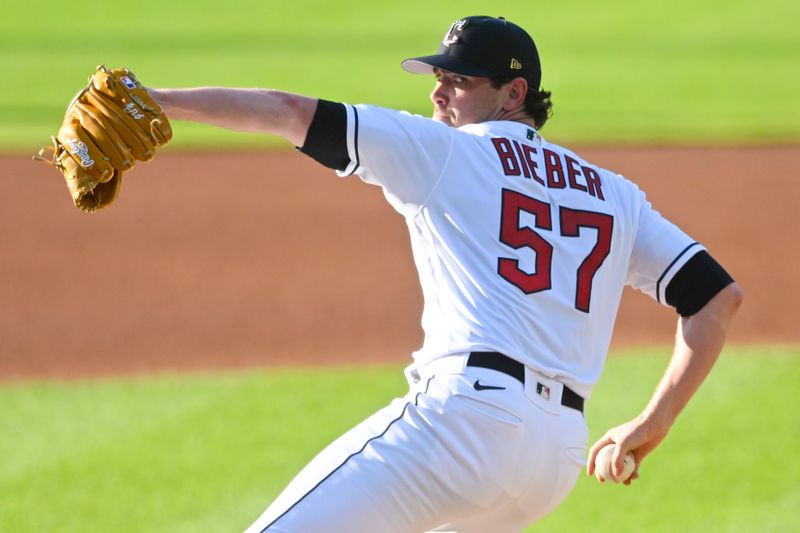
[280,262]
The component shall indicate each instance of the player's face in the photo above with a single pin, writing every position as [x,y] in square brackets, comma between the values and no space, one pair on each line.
[459,100]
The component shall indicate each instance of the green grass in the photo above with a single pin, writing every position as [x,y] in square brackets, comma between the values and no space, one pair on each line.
[681,71]
[170,454]
[207,453]
[728,465]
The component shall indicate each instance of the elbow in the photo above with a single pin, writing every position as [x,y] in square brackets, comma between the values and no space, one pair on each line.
[731,299]
[293,116]
[727,303]
[735,297]
[724,305]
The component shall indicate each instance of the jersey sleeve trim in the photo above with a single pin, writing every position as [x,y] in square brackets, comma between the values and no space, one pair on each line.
[352,142]
[673,268]
[700,279]
[326,139]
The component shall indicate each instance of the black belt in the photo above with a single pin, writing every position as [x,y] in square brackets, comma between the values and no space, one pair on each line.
[515,369]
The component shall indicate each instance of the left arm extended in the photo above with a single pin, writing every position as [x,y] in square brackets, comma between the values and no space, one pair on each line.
[251,110]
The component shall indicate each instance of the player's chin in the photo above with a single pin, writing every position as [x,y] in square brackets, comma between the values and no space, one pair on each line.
[444,119]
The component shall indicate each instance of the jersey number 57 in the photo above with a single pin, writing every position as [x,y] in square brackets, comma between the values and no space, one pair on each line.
[571,221]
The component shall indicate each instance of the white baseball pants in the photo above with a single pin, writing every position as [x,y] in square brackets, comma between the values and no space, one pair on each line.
[449,456]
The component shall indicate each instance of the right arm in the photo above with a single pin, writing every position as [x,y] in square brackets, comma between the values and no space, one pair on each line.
[251,110]
[698,343]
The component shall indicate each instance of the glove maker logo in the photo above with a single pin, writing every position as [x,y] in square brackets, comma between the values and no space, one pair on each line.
[81,151]
[133,111]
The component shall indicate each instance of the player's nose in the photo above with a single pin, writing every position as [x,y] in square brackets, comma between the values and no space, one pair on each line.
[438,95]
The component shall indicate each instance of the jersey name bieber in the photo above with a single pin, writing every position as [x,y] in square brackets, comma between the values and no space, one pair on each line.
[560,171]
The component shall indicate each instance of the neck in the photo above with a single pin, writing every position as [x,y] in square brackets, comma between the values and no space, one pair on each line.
[517,115]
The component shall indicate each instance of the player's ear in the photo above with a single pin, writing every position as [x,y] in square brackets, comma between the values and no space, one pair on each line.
[517,90]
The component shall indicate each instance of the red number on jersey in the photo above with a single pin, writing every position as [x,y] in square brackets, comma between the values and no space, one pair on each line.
[571,222]
[516,237]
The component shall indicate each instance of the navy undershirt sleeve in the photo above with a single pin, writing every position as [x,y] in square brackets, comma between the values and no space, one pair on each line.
[326,140]
[697,282]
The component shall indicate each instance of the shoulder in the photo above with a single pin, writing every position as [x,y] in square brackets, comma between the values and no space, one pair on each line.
[373,115]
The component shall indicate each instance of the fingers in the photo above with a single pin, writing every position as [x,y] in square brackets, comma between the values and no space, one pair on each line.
[606,439]
[633,477]
[617,460]
[622,440]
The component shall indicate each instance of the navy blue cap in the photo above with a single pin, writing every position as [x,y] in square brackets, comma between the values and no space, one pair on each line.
[484,46]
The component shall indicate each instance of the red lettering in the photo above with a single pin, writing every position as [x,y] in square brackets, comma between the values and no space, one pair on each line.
[519,159]
[507,157]
[593,182]
[573,171]
[522,161]
[529,153]
[554,170]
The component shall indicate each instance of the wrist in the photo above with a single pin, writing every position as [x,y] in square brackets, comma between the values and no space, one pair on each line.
[656,419]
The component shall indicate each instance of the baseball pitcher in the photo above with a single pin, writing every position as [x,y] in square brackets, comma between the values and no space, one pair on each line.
[523,249]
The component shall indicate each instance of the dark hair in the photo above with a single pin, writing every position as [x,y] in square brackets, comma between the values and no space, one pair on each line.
[537,103]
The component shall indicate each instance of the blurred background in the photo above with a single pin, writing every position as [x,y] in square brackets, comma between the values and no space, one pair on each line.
[167,350]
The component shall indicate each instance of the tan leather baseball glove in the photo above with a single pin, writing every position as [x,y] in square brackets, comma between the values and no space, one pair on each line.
[112,123]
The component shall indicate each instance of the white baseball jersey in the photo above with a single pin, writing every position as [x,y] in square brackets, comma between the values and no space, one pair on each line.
[522,247]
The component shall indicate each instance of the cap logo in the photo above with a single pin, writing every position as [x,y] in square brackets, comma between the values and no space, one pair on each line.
[451,37]
[515,65]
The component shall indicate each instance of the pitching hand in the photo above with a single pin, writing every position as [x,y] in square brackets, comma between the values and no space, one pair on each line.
[639,436]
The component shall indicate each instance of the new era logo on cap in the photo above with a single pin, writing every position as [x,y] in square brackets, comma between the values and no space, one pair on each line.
[515,65]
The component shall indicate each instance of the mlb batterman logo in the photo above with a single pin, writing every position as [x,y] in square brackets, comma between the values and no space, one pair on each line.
[81,151]
[543,390]
[128,82]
